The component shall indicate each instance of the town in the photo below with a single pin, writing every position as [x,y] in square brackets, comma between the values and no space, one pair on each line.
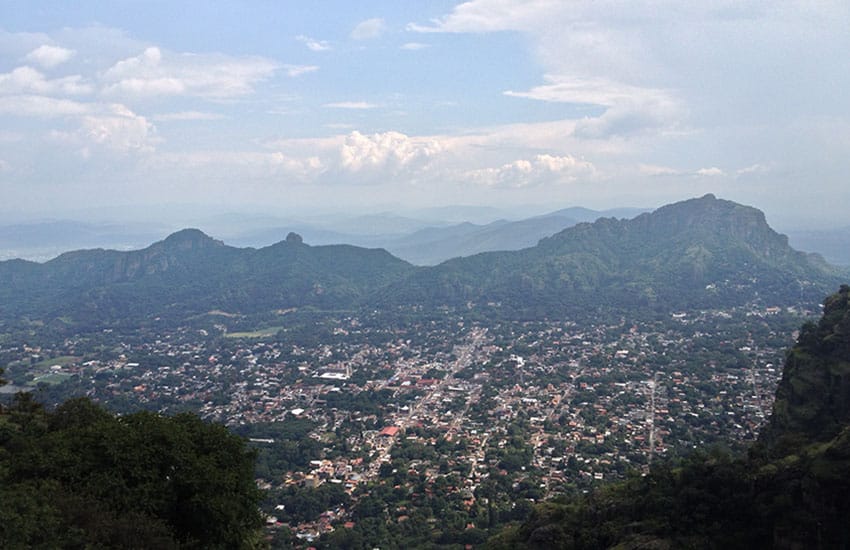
[486,416]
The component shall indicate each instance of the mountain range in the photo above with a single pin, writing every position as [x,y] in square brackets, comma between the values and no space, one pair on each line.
[702,252]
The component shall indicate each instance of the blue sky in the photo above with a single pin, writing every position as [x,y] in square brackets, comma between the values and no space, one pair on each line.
[295,107]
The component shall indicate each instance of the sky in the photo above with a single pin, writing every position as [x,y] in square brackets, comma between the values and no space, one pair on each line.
[283,107]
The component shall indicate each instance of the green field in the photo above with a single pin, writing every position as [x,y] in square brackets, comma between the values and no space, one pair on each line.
[53,378]
[260,333]
[62,361]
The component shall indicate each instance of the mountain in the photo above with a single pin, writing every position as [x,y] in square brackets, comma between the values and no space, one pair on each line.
[190,273]
[789,492]
[698,253]
[580,214]
[434,245]
[430,241]
[832,244]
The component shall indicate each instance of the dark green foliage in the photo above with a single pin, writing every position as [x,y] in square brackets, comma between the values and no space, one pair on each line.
[81,477]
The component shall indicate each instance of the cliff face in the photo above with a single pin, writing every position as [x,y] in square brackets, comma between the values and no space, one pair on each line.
[813,398]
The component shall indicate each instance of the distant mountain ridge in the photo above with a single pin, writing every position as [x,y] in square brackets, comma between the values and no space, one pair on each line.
[696,253]
[190,273]
[436,243]
[703,252]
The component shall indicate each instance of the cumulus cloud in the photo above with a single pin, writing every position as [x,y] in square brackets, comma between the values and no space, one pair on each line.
[49,56]
[313,44]
[368,29]
[710,172]
[29,80]
[111,127]
[211,76]
[392,150]
[414,46]
[538,170]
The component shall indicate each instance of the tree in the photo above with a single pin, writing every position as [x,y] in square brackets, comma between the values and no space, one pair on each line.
[141,480]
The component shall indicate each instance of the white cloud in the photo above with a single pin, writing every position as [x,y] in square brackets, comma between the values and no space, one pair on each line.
[414,46]
[710,172]
[187,115]
[298,70]
[656,170]
[111,127]
[49,56]
[28,80]
[313,44]
[590,90]
[368,29]
[356,105]
[539,170]
[630,109]
[41,106]
[492,16]
[211,76]
[753,169]
[5,166]
[392,150]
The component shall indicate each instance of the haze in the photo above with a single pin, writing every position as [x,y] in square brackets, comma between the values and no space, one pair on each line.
[154,110]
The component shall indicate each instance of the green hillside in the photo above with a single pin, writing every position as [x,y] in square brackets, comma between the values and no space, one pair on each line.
[190,273]
[698,253]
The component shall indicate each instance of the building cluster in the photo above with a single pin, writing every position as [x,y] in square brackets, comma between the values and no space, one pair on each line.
[541,405]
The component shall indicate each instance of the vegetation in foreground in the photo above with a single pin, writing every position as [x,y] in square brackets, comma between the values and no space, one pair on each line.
[80,477]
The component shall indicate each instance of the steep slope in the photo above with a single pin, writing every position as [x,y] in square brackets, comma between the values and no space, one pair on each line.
[813,398]
[189,273]
[697,253]
[790,492]
[437,244]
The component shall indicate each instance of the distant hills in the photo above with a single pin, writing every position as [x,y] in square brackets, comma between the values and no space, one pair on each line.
[190,273]
[422,237]
[429,243]
[699,253]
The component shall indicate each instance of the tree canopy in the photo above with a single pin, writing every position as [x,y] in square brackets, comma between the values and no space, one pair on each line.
[79,476]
